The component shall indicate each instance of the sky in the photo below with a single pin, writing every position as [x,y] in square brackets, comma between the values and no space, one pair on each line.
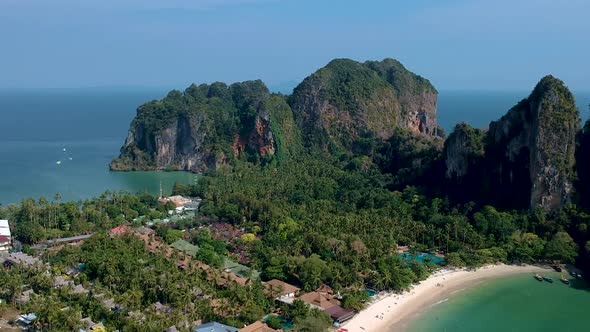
[457,44]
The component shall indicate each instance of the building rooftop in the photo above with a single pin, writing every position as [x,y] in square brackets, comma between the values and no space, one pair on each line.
[215,327]
[4,228]
[4,239]
[22,258]
[69,239]
[239,269]
[339,314]
[185,247]
[119,230]
[257,326]
[280,287]
[79,289]
[320,300]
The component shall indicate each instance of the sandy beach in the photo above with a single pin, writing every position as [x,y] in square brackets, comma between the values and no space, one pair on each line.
[396,311]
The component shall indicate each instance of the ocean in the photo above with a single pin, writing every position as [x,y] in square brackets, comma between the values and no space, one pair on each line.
[517,303]
[40,130]
[61,141]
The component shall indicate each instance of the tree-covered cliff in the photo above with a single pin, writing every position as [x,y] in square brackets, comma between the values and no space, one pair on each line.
[207,126]
[529,153]
[346,107]
[346,103]
[583,166]
[381,115]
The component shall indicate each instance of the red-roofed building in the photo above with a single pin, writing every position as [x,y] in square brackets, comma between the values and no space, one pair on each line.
[5,235]
[4,243]
[119,230]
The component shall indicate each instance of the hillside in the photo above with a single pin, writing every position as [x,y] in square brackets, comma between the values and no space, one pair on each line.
[345,107]
[346,102]
[208,126]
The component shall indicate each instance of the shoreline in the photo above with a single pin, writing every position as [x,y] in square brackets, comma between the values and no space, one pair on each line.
[397,311]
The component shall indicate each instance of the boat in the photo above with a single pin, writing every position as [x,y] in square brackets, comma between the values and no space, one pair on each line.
[564,280]
[578,276]
[548,279]
[58,162]
[538,277]
[556,267]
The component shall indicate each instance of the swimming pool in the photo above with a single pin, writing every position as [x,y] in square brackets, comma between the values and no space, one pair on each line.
[422,257]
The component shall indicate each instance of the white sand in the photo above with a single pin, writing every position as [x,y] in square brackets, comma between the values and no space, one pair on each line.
[395,311]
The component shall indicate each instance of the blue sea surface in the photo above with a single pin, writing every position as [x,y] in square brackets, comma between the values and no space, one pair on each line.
[61,141]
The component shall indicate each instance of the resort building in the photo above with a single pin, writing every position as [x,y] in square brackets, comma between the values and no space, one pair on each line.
[20,258]
[281,290]
[145,231]
[214,327]
[60,282]
[339,314]
[25,297]
[323,299]
[74,240]
[119,230]
[319,300]
[25,321]
[90,326]
[5,236]
[257,326]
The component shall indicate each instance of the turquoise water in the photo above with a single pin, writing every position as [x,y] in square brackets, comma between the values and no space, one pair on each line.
[90,124]
[287,325]
[422,257]
[518,303]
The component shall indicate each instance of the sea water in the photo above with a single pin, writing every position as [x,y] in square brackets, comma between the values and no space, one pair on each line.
[91,125]
[61,141]
[516,303]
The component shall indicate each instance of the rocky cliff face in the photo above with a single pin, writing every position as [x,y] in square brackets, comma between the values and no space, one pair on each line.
[347,101]
[583,166]
[529,152]
[463,151]
[340,107]
[205,127]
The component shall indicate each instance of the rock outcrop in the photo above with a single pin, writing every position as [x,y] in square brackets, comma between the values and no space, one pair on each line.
[205,127]
[464,149]
[583,166]
[529,153]
[347,101]
[345,107]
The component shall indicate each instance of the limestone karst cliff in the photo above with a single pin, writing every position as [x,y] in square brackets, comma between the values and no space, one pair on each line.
[335,109]
[347,101]
[529,153]
[206,126]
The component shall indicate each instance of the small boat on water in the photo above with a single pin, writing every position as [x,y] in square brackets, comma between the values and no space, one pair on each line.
[58,162]
[538,277]
[564,280]
[548,279]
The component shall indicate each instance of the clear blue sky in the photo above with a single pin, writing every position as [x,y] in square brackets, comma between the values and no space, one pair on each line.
[457,44]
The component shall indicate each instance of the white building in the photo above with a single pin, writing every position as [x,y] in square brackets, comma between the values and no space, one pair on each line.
[5,236]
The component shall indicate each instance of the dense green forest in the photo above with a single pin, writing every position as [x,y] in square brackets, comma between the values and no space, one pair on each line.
[316,220]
